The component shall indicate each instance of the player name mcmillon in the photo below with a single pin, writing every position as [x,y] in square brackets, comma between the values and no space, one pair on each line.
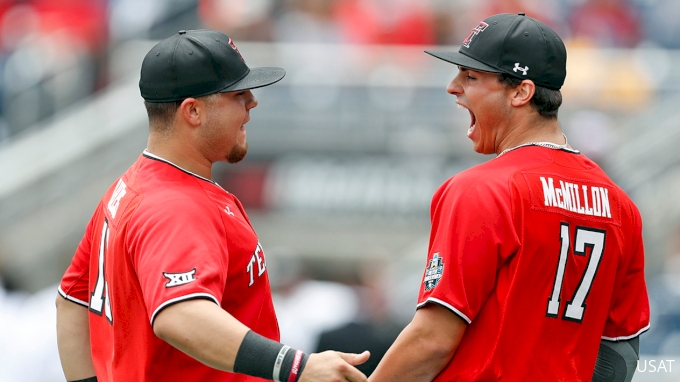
[578,198]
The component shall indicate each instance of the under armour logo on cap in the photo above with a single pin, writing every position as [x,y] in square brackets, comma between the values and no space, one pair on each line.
[501,42]
[524,70]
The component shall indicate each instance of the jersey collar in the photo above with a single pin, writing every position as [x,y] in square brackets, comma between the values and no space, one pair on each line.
[147,154]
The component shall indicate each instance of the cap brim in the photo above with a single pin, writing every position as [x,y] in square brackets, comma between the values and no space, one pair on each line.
[257,78]
[463,60]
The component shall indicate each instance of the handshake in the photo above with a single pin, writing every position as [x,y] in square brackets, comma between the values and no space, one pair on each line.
[334,366]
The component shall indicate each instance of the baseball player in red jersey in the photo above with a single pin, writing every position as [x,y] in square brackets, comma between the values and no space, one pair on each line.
[535,270]
[170,280]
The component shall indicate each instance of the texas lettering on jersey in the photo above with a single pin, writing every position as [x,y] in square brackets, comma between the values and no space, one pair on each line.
[132,264]
[256,258]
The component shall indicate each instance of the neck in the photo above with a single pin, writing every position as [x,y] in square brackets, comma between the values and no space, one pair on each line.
[535,129]
[181,153]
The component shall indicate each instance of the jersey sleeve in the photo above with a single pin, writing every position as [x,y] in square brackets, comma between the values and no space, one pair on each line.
[629,311]
[74,284]
[179,253]
[472,235]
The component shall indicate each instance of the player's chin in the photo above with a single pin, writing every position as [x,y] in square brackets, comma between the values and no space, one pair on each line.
[481,148]
[478,149]
[237,153]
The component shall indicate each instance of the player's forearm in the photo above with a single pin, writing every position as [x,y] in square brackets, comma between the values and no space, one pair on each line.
[202,330]
[209,334]
[411,359]
[617,360]
[423,348]
[73,340]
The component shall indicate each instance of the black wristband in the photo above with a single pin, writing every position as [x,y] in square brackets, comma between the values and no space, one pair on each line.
[292,366]
[261,357]
[91,379]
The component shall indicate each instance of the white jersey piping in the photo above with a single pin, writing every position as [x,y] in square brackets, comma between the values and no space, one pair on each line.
[624,338]
[72,299]
[446,305]
[156,157]
[183,298]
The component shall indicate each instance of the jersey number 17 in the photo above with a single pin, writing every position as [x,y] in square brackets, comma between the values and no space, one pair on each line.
[585,238]
[99,301]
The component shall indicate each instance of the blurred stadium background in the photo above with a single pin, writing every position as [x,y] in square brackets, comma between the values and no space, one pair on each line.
[345,152]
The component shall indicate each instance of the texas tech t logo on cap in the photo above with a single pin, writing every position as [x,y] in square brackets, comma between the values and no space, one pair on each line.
[475,31]
[236,49]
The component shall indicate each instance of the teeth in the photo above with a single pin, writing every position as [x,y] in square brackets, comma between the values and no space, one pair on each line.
[460,106]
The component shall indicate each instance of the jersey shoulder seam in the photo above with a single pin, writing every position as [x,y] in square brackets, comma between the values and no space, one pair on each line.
[224,227]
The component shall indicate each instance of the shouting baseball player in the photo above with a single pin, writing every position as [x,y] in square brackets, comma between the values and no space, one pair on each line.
[535,269]
[169,282]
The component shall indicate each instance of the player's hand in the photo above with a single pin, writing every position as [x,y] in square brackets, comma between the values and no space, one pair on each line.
[333,366]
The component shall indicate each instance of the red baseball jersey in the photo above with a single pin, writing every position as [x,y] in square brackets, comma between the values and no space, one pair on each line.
[162,235]
[542,255]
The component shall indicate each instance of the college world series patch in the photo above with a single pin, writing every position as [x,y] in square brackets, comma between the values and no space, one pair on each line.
[433,273]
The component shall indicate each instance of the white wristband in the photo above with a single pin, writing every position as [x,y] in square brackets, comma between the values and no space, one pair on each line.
[279,362]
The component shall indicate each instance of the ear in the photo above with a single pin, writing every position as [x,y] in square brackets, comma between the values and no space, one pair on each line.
[522,94]
[192,111]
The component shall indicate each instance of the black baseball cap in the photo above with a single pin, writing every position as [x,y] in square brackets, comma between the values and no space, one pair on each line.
[517,45]
[196,63]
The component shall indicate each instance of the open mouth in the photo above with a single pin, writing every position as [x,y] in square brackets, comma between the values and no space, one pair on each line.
[473,119]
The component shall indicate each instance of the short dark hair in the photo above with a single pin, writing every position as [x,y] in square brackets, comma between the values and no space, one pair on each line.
[162,114]
[545,101]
